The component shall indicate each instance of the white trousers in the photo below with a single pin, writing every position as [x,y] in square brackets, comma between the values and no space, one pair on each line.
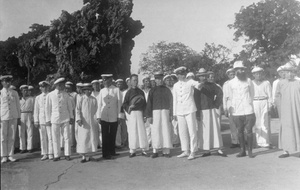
[175,133]
[233,130]
[188,132]
[137,136]
[118,136]
[262,124]
[46,140]
[100,135]
[26,127]
[65,130]
[161,129]
[8,130]
[148,127]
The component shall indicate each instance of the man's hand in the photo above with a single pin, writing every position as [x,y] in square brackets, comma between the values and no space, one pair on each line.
[19,121]
[150,119]
[79,122]
[130,108]
[99,120]
[71,121]
[48,123]
[36,125]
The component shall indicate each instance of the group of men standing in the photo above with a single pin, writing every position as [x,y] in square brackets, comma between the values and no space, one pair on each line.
[182,106]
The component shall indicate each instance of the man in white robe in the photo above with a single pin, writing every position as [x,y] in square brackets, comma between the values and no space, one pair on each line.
[88,129]
[59,114]
[159,112]
[96,91]
[134,105]
[262,103]
[40,122]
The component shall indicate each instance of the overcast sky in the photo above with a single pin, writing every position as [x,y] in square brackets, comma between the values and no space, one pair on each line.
[192,22]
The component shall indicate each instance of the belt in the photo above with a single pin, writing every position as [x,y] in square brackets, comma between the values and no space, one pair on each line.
[26,111]
[260,98]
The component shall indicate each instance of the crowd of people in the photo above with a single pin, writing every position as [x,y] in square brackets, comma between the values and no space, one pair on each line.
[179,110]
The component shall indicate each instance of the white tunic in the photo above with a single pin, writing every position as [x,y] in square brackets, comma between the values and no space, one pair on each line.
[88,131]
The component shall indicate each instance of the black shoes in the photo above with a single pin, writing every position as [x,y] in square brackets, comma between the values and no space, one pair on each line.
[284,156]
[220,153]
[154,155]
[234,146]
[132,155]
[68,158]
[56,159]
[167,155]
[23,151]
[145,154]
[30,151]
[206,154]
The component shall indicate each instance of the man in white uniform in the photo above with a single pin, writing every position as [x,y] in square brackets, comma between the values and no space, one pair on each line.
[233,130]
[96,91]
[240,104]
[281,74]
[262,103]
[26,127]
[184,110]
[72,95]
[40,122]
[59,114]
[9,118]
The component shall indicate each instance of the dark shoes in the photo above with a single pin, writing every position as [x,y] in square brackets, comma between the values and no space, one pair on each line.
[107,157]
[220,153]
[234,146]
[154,155]
[23,151]
[167,155]
[145,154]
[206,154]
[241,154]
[56,159]
[30,151]
[132,155]
[68,158]
[284,156]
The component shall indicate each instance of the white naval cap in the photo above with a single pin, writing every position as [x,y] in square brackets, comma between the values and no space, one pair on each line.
[79,84]
[95,81]
[190,74]
[119,80]
[23,86]
[107,75]
[180,69]
[6,77]
[12,87]
[30,88]
[43,83]
[167,76]
[59,80]
[230,70]
[256,69]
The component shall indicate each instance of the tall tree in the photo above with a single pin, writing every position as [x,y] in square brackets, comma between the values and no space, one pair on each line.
[271,29]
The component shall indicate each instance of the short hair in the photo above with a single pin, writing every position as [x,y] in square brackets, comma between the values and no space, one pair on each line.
[133,75]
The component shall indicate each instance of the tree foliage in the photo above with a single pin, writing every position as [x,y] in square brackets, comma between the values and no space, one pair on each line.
[271,29]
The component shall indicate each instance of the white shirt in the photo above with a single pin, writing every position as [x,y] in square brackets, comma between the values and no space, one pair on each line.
[95,94]
[275,83]
[183,97]
[9,104]
[263,90]
[109,104]
[146,92]
[27,104]
[59,107]
[240,99]
[225,95]
[40,109]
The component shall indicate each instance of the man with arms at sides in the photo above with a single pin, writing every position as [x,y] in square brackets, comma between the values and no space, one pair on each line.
[40,122]
[122,130]
[26,127]
[209,128]
[159,112]
[108,115]
[134,105]
[69,90]
[59,114]
[88,128]
[233,130]
[95,93]
[262,103]
[240,104]
[184,111]
[9,118]
[281,74]
[146,90]
[288,95]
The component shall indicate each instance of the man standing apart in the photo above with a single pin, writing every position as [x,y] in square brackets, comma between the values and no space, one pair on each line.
[108,115]
[233,130]
[158,111]
[9,118]
[240,104]
[184,110]
[59,114]
[288,95]
[134,106]
[40,122]
[262,103]
[27,105]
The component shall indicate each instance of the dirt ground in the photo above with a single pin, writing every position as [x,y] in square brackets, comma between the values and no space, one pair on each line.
[265,171]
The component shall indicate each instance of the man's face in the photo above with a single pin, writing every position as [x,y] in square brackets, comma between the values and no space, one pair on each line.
[25,92]
[290,75]
[134,81]
[96,86]
[128,82]
[87,92]
[78,90]
[211,78]
[153,84]
[258,76]
[159,81]
[6,83]
[168,82]
[68,89]
[181,76]
[241,74]
[44,88]
[147,83]
[107,81]
[61,86]
[281,74]
[231,75]
[202,78]
[120,85]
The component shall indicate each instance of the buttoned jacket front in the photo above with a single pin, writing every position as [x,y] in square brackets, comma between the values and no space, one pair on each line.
[27,104]
[183,97]
[58,107]
[40,109]
[109,104]
[9,104]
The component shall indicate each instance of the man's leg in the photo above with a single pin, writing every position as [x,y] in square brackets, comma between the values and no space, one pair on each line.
[22,129]
[56,133]
[239,122]
[192,129]
[4,138]
[234,131]
[44,142]
[49,142]
[66,135]
[29,130]
[113,134]
[249,123]
[105,139]
[166,132]
[12,125]
[155,131]
[142,135]
[183,135]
